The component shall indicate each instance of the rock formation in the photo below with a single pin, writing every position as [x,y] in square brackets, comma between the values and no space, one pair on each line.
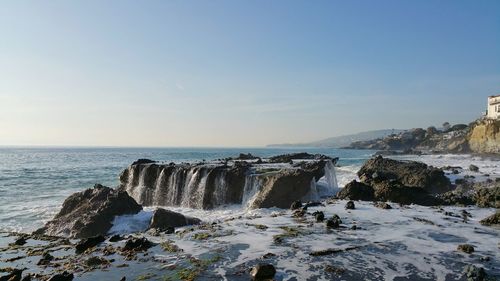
[484,136]
[210,184]
[90,213]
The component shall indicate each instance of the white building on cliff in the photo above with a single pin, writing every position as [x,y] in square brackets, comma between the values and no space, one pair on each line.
[493,107]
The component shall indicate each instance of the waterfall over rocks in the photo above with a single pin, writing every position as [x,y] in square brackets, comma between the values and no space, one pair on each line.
[209,185]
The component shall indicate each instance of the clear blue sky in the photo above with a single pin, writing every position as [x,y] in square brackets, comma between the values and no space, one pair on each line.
[240,73]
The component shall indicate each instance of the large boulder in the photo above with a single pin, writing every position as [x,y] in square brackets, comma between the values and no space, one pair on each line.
[357,191]
[164,219]
[408,173]
[90,213]
[394,191]
[492,220]
[286,158]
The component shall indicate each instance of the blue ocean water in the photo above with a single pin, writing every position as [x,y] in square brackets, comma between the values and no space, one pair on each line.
[35,181]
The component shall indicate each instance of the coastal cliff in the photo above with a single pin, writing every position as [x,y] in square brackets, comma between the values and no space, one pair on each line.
[484,137]
[481,136]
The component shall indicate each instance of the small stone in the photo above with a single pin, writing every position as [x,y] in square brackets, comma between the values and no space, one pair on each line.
[46,259]
[296,205]
[319,216]
[474,273]
[333,222]
[350,205]
[20,241]
[466,248]
[137,244]
[262,272]
[474,168]
[383,205]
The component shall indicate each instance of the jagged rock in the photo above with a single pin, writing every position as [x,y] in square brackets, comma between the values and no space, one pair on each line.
[87,243]
[333,222]
[466,248]
[487,196]
[263,272]
[456,197]
[492,220]
[90,213]
[296,205]
[137,244]
[474,273]
[65,276]
[115,238]
[473,168]
[409,173]
[396,192]
[96,261]
[287,158]
[357,191]
[247,156]
[484,136]
[164,219]
[20,241]
[143,161]
[350,205]
[319,216]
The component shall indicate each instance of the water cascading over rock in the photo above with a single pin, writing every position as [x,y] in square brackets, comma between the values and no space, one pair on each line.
[208,185]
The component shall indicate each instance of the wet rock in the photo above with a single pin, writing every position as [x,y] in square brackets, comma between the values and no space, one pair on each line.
[396,192]
[287,158]
[88,243]
[357,191]
[137,244]
[46,259]
[247,156]
[143,161]
[65,276]
[313,204]
[333,222]
[115,238]
[350,205]
[296,205]
[408,173]
[268,255]
[456,197]
[20,241]
[487,196]
[164,220]
[319,216]
[299,213]
[123,278]
[96,261]
[474,273]
[466,248]
[473,168]
[263,272]
[383,205]
[90,213]
[13,275]
[492,220]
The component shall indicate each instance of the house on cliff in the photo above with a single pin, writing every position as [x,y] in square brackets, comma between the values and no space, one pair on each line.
[493,111]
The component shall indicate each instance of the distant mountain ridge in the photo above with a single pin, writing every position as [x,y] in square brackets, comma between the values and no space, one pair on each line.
[343,141]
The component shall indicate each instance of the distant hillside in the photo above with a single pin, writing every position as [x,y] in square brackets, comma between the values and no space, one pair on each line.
[343,141]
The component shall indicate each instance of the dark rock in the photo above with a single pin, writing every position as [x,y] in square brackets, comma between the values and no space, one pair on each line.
[115,238]
[456,197]
[296,205]
[287,158]
[46,259]
[350,205]
[87,243]
[27,278]
[90,213]
[488,196]
[263,272]
[319,216]
[474,273]
[143,161]
[13,275]
[65,276]
[396,192]
[20,241]
[333,222]
[247,156]
[492,220]
[313,204]
[96,261]
[123,278]
[408,173]
[357,191]
[299,213]
[383,205]
[164,220]
[466,248]
[137,244]
[474,168]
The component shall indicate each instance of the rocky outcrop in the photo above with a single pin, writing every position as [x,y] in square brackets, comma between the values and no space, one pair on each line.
[210,184]
[492,220]
[357,191]
[164,219]
[90,213]
[484,136]
[408,173]
[286,158]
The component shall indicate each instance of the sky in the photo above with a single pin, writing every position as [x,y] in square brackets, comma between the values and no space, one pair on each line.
[240,73]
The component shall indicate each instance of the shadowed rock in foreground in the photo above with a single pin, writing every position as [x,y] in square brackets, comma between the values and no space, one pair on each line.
[90,213]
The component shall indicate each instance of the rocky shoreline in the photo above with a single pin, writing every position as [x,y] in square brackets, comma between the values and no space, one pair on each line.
[269,243]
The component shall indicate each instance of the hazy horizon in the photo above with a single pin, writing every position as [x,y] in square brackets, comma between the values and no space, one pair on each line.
[240,74]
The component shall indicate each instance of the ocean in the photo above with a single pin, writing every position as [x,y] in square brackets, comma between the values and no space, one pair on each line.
[35,181]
